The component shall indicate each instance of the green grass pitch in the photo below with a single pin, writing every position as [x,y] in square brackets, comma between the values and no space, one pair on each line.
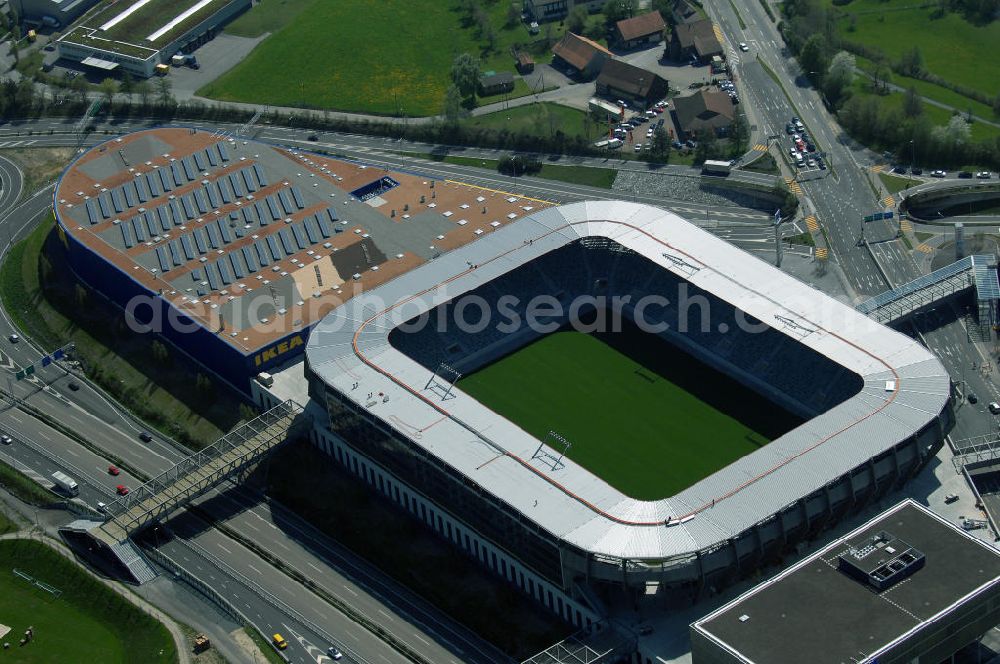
[628,424]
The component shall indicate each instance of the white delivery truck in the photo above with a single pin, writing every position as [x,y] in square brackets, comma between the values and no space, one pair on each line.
[66,483]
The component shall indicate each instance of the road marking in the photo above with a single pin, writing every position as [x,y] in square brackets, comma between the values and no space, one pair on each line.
[822,253]
[925,248]
[255,569]
[760,147]
[314,567]
[422,639]
[72,451]
[350,590]
[224,549]
[385,614]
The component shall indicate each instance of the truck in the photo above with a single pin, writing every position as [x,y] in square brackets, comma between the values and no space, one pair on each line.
[609,144]
[712,167]
[66,483]
[162,69]
[265,379]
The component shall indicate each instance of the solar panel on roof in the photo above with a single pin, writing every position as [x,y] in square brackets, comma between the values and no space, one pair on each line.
[262,214]
[300,236]
[237,183]
[213,156]
[286,201]
[200,242]
[224,273]
[213,195]
[273,207]
[187,246]
[227,236]
[151,224]
[175,253]
[175,170]
[201,292]
[199,161]
[153,184]
[238,269]
[248,179]
[259,173]
[332,214]
[127,235]
[161,256]
[213,276]
[287,243]
[249,258]
[310,225]
[161,215]
[238,231]
[297,196]
[272,244]
[188,168]
[102,202]
[263,255]
[213,236]
[223,186]
[140,187]
[196,274]
[116,200]
[248,215]
[139,229]
[200,200]
[131,199]
[166,181]
[324,228]
[188,207]
[92,215]
[221,147]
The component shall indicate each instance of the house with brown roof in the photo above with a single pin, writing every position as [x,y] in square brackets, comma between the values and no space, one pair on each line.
[495,83]
[704,110]
[695,40]
[620,80]
[640,31]
[584,56]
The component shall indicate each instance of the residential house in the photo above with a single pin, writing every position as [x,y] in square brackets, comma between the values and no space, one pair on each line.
[582,55]
[640,31]
[695,40]
[525,63]
[704,110]
[639,87]
[556,10]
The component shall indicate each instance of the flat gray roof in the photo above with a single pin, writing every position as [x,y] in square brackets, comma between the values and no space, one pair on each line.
[817,609]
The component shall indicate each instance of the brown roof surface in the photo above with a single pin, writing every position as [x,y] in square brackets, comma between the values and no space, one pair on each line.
[640,26]
[700,35]
[578,51]
[704,110]
[629,78]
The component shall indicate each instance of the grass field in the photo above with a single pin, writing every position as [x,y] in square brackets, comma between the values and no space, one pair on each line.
[894,183]
[544,119]
[388,57]
[637,412]
[594,177]
[88,622]
[952,48]
[18,484]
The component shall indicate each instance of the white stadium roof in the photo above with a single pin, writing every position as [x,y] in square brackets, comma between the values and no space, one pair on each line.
[351,346]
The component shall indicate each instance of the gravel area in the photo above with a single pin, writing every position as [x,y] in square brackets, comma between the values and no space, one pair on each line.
[681,188]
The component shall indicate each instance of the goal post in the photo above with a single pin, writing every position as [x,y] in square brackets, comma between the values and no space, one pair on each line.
[553,441]
[442,380]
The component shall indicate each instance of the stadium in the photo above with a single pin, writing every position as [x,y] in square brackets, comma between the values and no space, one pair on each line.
[738,415]
[137,35]
[232,250]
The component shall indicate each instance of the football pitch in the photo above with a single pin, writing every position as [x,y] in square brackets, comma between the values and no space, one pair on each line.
[641,415]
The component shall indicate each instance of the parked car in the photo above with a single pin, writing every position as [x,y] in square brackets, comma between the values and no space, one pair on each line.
[950,498]
[121,490]
[973,398]
[638,147]
[811,163]
[744,47]
[810,147]
[313,137]
[994,407]
[677,145]
[965,175]
[691,144]
[899,169]
[938,174]
[822,165]
[983,175]
[916,171]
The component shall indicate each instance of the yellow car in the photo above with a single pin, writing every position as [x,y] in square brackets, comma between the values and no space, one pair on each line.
[279,642]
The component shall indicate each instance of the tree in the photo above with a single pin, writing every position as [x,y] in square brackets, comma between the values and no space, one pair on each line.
[996,104]
[163,95]
[913,105]
[577,20]
[881,77]
[453,109]
[465,74]
[813,59]
[144,90]
[108,88]
[128,84]
[159,352]
[708,145]
[839,76]
[203,383]
[957,131]
[617,10]
[911,63]
[739,135]
[659,147]
[513,15]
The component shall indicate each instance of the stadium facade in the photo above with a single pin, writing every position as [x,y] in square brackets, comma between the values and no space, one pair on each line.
[876,406]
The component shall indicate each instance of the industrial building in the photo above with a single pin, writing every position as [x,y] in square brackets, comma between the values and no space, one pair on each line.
[233,250]
[876,406]
[905,587]
[137,35]
[52,13]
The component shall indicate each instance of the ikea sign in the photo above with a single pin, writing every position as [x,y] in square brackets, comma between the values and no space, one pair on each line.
[277,350]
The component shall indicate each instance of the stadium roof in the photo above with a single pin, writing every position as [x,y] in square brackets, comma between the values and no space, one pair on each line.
[816,608]
[905,387]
